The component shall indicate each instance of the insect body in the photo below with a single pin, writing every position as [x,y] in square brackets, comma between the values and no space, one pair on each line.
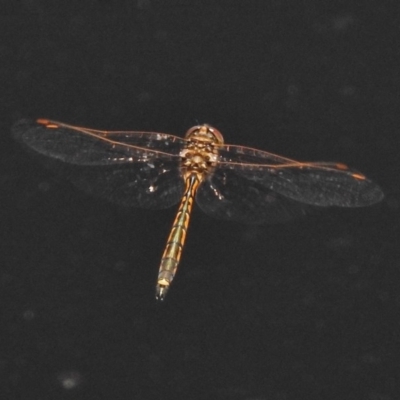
[157,170]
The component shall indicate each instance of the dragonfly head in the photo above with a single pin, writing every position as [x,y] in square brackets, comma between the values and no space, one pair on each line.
[205,133]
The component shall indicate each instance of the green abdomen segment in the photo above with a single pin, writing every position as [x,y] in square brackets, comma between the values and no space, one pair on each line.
[176,239]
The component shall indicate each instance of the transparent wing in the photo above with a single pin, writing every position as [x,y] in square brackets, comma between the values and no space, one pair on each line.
[229,153]
[226,194]
[155,185]
[129,168]
[84,146]
[321,184]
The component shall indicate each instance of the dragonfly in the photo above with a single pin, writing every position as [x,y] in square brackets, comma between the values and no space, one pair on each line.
[158,170]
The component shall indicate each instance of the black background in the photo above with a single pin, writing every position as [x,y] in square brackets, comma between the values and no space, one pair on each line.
[304,310]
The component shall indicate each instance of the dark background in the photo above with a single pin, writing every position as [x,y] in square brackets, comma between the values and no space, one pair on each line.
[304,310]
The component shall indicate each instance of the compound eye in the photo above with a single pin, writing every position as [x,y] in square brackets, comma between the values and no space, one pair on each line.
[217,134]
[205,131]
[193,131]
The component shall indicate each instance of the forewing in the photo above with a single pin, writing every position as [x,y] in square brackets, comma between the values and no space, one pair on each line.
[128,168]
[320,184]
[83,146]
